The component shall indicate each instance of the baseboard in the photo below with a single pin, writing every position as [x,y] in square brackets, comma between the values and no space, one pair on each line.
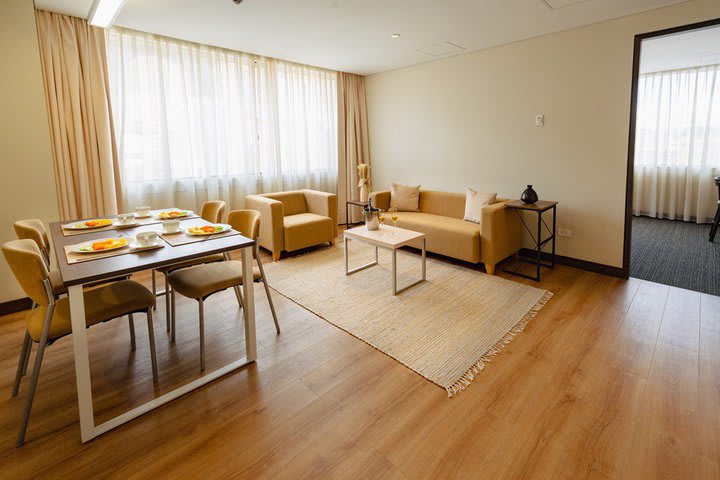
[14,306]
[577,263]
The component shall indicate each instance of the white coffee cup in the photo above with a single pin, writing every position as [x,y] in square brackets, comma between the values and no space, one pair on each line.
[146,239]
[125,218]
[171,226]
[143,211]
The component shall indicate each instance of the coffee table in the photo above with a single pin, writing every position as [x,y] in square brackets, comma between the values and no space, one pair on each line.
[390,238]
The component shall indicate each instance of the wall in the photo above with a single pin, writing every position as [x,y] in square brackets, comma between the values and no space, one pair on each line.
[469,121]
[27,185]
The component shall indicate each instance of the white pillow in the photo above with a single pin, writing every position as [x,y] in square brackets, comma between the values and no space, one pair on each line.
[474,202]
[405,198]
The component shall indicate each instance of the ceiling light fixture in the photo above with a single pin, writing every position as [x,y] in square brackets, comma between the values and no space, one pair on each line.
[103,12]
[395,35]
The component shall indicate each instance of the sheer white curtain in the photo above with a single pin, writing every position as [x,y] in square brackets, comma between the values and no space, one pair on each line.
[677,148]
[195,122]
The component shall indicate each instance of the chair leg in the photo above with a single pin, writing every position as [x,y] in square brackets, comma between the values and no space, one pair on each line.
[34,379]
[172,316]
[267,291]
[238,295]
[716,223]
[167,302]
[151,337]
[22,363]
[131,322]
[154,284]
[27,358]
[202,333]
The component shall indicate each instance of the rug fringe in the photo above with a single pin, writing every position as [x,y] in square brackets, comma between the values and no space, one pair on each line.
[466,379]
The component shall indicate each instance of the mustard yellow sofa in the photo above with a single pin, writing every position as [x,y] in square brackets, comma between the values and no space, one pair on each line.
[440,217]
[296,219]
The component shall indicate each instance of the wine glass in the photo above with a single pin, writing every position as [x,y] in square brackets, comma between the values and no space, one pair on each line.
[394,218]
[381,217]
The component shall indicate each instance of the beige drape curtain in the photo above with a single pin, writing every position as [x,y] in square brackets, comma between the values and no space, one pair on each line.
[353,140]
[83,141]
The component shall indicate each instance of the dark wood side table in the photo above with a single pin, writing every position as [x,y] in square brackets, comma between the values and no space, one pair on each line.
[357,203]
[539,207]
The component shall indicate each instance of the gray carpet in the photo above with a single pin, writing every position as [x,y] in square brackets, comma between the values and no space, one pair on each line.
[675,253]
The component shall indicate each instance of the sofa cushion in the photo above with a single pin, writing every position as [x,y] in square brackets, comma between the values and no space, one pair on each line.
[447,204]
[405,198]
[293,201]
[307,229]
[448,236]
[474,202]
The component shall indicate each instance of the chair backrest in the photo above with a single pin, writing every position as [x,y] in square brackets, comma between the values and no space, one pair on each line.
[212,211]
[246,222]
[293,201]
[29,268]
[33,229]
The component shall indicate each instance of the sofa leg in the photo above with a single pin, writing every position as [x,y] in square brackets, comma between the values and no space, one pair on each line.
[276,256]
[490,269]
[332,242]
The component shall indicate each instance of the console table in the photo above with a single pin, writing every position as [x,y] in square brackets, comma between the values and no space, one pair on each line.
[539,207]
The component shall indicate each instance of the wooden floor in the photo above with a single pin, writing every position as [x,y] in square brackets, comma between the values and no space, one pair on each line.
[613,379]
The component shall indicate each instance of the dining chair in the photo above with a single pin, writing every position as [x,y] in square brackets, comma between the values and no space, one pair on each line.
[33,229]
[50,320]
[201,281]
[210,211]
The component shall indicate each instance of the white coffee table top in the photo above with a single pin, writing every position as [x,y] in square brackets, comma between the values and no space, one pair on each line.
[387,236]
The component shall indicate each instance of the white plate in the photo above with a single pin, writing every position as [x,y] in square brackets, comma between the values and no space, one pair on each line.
[143,216]
[136,247]
[188,213]
[82,226]
[225,228]
[86,247]
[126,225]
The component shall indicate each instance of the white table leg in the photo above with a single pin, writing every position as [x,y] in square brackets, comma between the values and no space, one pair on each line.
[248,293]
[394,271]
[82,362]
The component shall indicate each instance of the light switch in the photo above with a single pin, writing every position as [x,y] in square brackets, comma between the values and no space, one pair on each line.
[539,120]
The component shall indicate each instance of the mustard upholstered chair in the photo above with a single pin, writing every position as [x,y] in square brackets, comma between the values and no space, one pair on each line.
[51,319]
[33,229]
[201,281]
[211,211]
[296,219]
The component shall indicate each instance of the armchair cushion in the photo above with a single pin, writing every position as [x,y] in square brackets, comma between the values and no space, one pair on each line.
[293,201]
[307,229]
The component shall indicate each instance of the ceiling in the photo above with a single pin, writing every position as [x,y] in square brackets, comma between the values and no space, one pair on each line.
[353,35]
[682,50]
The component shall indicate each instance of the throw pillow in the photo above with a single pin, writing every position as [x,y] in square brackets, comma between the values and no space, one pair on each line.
[405,198]
[474,202]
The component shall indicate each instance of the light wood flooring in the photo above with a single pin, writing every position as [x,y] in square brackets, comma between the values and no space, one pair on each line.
[613,379]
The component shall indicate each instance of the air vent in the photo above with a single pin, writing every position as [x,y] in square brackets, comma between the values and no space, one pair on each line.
[555,4]
[441,49]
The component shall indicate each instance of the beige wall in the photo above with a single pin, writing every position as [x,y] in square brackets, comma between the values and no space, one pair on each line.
[27,185]
[469,121]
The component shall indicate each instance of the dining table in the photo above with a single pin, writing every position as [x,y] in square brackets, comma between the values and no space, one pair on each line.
[77,274]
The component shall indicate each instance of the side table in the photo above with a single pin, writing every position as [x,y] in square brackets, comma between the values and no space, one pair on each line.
[539,207]
[357,203]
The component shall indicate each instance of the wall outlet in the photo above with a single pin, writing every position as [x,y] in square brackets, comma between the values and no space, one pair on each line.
[565,232]
[539,120]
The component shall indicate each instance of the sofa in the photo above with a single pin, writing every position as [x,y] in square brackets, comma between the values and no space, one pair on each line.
[440,217]
[295,219]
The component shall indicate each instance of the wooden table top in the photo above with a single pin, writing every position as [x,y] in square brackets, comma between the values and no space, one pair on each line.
[94,270]
[386,236]
[539,206]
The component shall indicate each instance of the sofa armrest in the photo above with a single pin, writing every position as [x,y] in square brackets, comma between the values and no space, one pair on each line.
[500,233]
[323,203]
[381,199]
[272,214]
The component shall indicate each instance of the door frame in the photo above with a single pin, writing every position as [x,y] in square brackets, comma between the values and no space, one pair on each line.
[633,119]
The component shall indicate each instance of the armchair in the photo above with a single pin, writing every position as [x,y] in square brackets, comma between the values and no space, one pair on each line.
[295,219]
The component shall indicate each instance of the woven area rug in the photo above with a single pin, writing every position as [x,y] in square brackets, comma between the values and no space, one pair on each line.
[445,329]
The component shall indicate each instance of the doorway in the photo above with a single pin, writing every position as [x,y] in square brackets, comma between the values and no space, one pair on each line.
[674,159]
